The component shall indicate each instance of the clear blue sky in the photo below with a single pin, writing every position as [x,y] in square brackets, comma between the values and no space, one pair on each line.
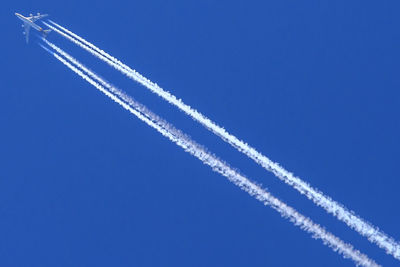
[312,85]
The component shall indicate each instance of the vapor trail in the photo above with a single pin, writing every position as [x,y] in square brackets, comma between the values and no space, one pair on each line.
[216,164]
[100,54]
[100,51]
[355,222]
[119,93]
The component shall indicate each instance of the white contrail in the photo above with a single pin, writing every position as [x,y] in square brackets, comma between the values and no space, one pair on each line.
[129,100]
[113,62]
[218,165]
[363,227]
[100,51]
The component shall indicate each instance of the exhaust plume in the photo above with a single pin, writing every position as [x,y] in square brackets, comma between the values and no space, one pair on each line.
[363,227]
[216,164]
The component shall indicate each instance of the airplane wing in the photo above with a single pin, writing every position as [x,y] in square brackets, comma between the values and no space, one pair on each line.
[26,32]
[38,16]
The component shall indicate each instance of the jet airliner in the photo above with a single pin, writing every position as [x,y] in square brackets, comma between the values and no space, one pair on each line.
[30,22]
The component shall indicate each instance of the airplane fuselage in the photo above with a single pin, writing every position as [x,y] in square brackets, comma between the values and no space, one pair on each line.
[29,22]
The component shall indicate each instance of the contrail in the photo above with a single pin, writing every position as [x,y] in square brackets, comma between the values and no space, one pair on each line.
[338,210]
[361,226]
[97,52]
[216,164]
[100,51]
[119,93]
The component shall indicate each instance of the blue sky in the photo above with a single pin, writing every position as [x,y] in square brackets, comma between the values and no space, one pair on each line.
[314,86]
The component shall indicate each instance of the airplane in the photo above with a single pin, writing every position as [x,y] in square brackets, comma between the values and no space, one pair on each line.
[29,22]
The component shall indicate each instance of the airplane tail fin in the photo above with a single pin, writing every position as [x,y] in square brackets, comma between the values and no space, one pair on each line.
[45,33]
